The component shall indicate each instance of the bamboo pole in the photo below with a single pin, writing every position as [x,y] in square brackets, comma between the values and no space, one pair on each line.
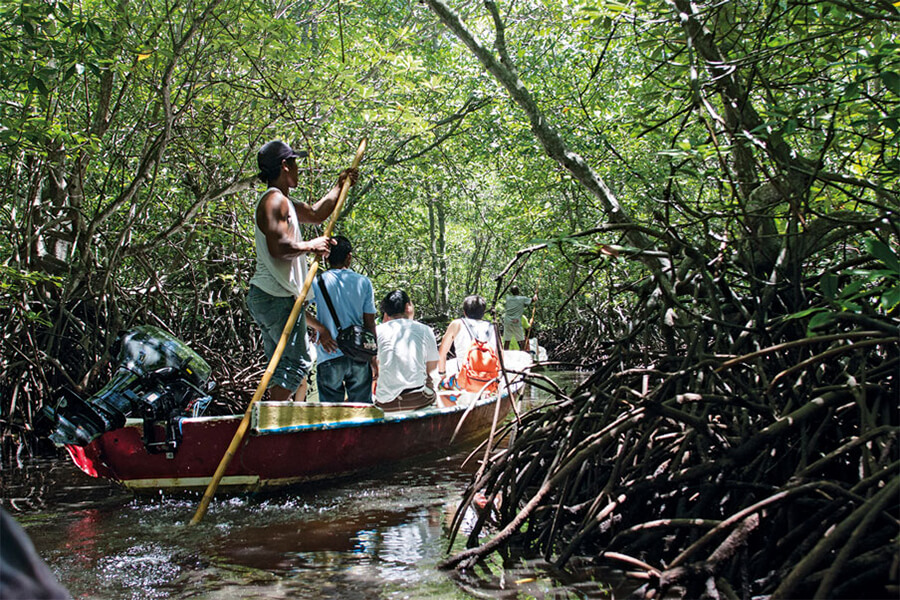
[276,356]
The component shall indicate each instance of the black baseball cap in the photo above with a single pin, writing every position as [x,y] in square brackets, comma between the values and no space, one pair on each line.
[271,155]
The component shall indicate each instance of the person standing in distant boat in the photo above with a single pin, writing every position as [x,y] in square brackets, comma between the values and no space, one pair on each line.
[353,300]
[512,317]
[281,261]
[407,357]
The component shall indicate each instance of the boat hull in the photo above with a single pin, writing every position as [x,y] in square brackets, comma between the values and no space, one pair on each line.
[279,456]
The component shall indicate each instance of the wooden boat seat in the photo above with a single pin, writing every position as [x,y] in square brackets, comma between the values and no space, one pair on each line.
[274,416]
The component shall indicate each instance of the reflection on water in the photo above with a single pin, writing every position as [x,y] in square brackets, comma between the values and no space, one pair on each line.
[367,537]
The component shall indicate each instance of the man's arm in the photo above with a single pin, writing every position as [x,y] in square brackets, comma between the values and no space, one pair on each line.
[318,212]
[446,342]
[431,361]
[369,323]
[272,219]
[324,336]
[431,378]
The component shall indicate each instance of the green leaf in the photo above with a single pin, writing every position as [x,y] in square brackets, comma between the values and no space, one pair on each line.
[804,313]
[829,285]
[820,321]
[849,306]
[36,85]
[852,289]
[891,298]
[882,252]
[892,124]
[891,81]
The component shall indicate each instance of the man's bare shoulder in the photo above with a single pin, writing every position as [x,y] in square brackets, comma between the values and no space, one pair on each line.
[272,210]
[275,204]
[273,198]
[454,326]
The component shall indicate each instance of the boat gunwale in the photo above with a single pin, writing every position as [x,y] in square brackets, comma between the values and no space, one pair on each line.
[388,417]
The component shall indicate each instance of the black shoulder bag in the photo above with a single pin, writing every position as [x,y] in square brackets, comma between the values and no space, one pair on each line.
[356,342]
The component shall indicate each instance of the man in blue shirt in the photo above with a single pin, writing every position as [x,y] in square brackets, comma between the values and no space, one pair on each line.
[354,302]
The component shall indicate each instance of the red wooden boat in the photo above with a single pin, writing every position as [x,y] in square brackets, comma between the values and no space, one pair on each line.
[294,442]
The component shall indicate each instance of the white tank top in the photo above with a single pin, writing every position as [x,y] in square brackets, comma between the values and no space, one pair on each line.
[483,330]
[275,276]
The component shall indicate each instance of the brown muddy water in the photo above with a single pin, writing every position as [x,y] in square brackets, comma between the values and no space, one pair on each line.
[376,536]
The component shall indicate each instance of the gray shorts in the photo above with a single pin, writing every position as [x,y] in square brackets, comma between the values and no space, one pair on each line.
[513,330]
[271,313]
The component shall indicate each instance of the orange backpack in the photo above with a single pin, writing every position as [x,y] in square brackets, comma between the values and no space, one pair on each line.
[482,365]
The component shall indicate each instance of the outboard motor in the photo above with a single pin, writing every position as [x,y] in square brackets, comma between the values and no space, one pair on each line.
[159,379]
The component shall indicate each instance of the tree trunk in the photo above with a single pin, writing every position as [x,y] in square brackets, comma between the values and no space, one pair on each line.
[437,228]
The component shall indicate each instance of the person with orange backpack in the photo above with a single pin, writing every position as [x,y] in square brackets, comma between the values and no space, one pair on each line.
[476,350]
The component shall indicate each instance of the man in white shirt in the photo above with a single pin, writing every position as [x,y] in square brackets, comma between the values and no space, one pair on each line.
[407,357]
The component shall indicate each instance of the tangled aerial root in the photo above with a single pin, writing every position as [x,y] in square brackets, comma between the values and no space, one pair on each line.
[775,471]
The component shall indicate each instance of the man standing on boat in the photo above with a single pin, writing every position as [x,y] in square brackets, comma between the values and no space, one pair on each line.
[281,261]
[407,357]
[512,317]
[353,300]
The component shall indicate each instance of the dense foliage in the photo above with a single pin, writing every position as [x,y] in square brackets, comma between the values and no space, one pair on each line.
[738,438]
[699,181]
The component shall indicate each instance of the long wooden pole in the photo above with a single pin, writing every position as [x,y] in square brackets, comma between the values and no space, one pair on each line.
[534,308]
[276,356]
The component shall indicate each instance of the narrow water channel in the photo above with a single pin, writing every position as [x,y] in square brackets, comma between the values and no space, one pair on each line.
[374,536]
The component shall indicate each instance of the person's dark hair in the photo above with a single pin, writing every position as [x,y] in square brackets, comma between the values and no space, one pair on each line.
[270,157]
[394,304]
[473,307]
[514,290]
[269,174]
[337,257]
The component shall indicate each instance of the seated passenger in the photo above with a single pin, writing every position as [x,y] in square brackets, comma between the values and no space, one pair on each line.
[407,357]
[478,365]
[350,300]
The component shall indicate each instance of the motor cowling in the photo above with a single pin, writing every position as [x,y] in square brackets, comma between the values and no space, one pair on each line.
[159,378]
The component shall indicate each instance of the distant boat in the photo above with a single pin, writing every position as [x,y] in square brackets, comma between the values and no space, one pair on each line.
[538,353]
[292,442]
